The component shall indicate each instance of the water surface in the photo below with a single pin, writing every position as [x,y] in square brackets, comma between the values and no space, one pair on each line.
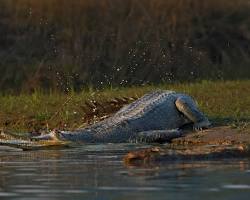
[97,172]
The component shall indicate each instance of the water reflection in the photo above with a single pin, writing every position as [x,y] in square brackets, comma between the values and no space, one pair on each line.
[97,172]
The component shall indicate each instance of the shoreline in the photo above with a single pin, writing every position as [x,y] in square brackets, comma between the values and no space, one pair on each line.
[220,142]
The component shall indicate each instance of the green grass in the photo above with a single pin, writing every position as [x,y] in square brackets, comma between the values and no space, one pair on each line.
[224,103]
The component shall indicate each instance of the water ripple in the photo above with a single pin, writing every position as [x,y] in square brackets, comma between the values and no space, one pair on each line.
[232,186]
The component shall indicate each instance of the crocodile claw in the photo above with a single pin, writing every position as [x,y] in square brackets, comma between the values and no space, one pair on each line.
[199,126]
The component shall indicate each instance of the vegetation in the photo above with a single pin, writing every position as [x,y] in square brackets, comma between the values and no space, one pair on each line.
[67,63]
[223,102]
[61,45]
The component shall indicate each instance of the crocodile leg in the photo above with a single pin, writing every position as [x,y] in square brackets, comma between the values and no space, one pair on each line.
[191,111]
[158,136]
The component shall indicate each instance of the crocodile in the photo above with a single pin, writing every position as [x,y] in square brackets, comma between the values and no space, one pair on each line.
[156,117]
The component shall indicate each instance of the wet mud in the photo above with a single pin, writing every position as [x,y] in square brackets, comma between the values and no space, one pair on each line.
[211,144]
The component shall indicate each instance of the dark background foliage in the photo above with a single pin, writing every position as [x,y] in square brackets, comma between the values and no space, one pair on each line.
[61,44]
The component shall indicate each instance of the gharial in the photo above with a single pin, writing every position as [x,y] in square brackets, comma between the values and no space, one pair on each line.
[157,116]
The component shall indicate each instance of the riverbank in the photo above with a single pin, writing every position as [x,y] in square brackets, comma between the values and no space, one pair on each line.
[216,143]
[225,103]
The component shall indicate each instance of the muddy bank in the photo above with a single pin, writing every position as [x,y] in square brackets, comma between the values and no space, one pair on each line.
[215,143]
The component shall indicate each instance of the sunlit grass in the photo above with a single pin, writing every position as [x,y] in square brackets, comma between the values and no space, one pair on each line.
[224,103]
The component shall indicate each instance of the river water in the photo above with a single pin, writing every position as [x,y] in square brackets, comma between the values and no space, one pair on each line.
[97,172]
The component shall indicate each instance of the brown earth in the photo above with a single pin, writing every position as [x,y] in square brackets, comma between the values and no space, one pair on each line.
[215,143]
